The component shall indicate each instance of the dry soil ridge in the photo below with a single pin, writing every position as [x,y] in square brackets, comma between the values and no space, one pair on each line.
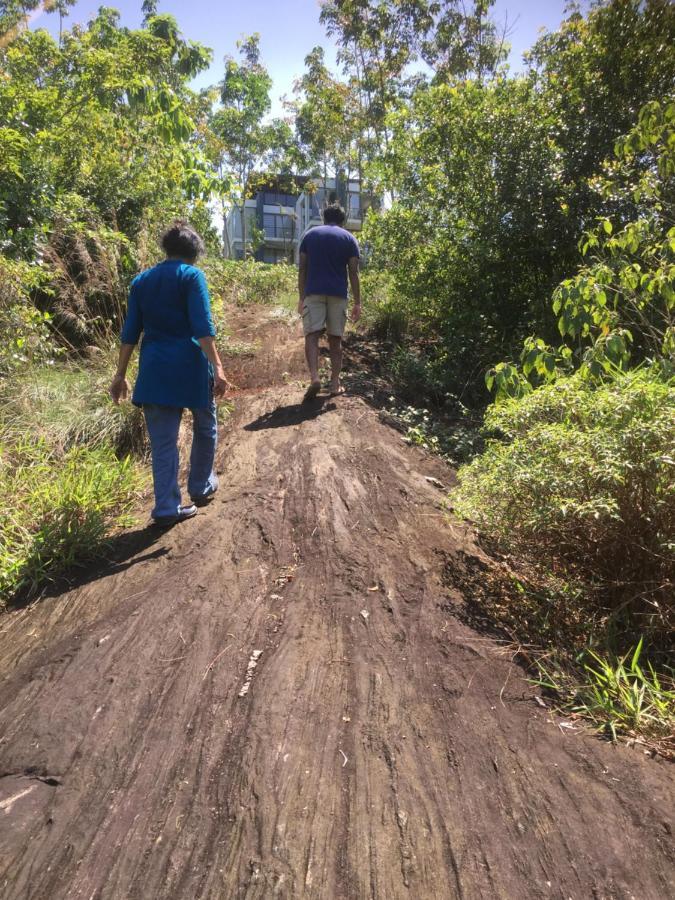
[383,749]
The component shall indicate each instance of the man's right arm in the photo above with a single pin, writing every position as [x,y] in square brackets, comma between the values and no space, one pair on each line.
[355,282]
[302,279]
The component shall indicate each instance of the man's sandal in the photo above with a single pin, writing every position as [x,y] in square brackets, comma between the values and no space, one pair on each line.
[312,391]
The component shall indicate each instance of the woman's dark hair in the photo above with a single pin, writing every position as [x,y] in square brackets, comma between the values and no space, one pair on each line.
[334,214]
[182,241]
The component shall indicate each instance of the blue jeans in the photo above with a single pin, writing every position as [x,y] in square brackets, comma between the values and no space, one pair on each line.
[163,424]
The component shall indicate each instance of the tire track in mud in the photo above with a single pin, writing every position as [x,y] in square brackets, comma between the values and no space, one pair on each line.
[383,750]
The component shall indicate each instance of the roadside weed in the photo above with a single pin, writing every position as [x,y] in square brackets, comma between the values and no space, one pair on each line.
[618,695]
[59,510]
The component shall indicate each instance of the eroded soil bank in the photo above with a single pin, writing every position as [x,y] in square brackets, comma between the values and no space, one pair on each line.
[379,748]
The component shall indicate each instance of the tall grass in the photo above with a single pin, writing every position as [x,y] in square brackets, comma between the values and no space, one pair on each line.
[67,405]
[58,509]
[620,695]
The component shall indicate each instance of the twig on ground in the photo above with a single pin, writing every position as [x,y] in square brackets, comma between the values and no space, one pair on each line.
[501,693]
[213,662]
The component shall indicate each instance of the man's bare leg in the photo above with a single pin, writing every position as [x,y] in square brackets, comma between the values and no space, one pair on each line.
[312,357]
[335,348]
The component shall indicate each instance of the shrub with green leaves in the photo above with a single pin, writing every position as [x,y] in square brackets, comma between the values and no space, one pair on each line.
[581,478]
[244,282]
[58,510]
[25,329]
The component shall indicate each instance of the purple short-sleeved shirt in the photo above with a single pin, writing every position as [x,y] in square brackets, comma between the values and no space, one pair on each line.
[329,248]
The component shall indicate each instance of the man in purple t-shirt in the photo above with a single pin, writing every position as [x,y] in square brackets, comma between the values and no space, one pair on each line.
[328,253]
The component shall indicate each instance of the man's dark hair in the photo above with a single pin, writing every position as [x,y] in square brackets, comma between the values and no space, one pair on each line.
[334,214]
[182,241]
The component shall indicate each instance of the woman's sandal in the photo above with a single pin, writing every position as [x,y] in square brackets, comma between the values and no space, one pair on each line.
[185,512]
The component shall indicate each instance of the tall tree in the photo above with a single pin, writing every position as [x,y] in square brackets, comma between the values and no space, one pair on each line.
[149,9]
[247,140]
[464,40]
[378,39]
[325,118]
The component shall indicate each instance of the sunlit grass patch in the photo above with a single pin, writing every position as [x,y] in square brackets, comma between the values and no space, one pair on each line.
[58,509]
[620,695]
[68,405]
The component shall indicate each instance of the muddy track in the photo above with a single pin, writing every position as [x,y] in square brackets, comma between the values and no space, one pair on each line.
[378,748]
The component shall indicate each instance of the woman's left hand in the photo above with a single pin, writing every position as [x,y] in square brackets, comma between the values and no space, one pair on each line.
[119,389]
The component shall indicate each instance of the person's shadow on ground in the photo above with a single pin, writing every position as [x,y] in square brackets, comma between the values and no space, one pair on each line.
[117,554]
[294,414]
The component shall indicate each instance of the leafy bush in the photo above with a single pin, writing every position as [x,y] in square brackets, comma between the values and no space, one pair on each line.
[244,282]
[618,310]
[581,478]
[58,510]
[25,329]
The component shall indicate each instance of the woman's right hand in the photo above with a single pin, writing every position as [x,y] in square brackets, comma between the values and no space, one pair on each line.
[119,389]
[220,383]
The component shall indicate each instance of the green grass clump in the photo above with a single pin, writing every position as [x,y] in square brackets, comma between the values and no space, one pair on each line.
[620,696]
[67,405]
[58,510]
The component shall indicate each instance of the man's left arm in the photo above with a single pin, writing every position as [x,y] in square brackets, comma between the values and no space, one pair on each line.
[302,279]
[355,282]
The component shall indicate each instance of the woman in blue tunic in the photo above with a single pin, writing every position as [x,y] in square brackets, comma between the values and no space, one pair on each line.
[179,368]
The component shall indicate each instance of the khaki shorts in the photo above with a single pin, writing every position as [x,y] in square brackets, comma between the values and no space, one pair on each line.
[326,312]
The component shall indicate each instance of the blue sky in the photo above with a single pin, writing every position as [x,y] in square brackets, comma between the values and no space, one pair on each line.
[289,29]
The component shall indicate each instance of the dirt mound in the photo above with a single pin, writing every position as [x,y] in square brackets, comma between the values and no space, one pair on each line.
[276,699]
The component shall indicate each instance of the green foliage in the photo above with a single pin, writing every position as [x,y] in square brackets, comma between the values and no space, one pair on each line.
[25,329]
[620,306]
[456,441]
[58,510]
[67,406]
[244,139]
[325,119]
[496,180]
[470,243]
[244,282]
[581,479]
[104,116]
[620,696]
[595,73]
[102,143]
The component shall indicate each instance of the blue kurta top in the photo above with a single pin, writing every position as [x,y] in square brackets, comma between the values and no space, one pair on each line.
[170,305]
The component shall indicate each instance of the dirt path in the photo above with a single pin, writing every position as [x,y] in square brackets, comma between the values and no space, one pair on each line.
[381,748]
